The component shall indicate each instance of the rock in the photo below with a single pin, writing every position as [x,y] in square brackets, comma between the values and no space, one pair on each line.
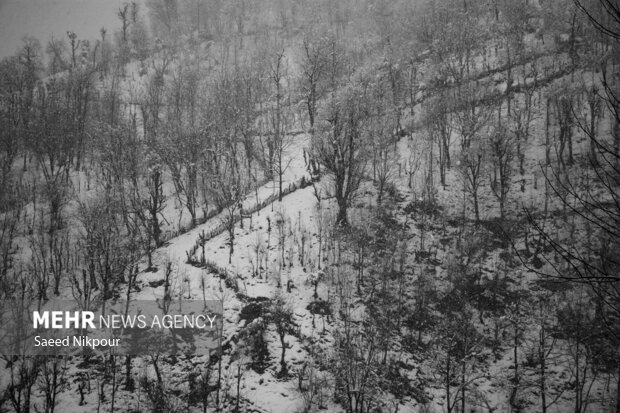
[157,284]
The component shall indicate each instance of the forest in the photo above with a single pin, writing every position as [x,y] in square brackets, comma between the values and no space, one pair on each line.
[400,205]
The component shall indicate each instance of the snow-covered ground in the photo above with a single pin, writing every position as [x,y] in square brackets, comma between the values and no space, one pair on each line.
[271,244]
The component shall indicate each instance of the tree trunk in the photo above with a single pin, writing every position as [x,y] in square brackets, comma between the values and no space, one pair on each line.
[618,391]
[463,387]
[231,245]
[128,379]
[281,173]
[476,207]
[616,133]
[282,361]
[593,116]
[341,219]
[238,386]
[448,401]
[541,356]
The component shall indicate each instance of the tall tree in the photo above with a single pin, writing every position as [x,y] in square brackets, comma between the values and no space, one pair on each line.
[315,50]
[341,143]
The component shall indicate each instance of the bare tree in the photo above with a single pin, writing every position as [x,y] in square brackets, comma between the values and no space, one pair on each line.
[53,381]
[56,50]
[315,59]
[454,45]
[520,119]
[384,126]
[183,147]
[281,315]
[340,144]
[564,115]
[472,163]
[385,160]
[356,367]
[123,15]
[501,154]
[249,96]
[274,139]
[229,191]
[440,129]
[588,123]
[23,375]
[457,343]
[470,114]
[105,254]
[147,201]
[279,123]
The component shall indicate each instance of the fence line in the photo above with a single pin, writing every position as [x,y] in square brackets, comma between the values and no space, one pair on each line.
[222,227]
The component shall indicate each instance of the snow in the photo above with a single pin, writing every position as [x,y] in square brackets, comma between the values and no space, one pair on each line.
[280,265]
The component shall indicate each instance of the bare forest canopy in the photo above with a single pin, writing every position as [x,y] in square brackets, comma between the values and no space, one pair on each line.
[43,19]
[404,206]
